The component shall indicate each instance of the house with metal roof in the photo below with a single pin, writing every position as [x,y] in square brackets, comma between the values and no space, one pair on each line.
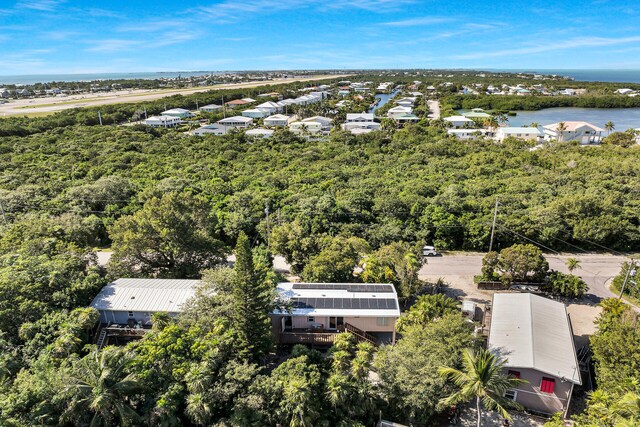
[236,122]
[316,313]
[534,335]
[127,300]
[177,112]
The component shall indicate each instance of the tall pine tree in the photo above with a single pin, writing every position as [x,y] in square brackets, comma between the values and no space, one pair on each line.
[253,301]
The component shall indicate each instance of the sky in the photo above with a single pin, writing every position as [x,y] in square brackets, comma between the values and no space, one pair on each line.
[67,36]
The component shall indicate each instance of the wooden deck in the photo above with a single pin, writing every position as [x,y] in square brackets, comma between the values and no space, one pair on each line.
[303,337]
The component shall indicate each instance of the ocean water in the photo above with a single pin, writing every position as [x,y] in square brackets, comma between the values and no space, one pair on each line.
[622,118]
[595,75]
[47,78]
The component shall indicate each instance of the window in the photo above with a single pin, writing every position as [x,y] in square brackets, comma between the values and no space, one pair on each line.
[131,314]
[511,395]
[547,385]
[311,319]
[382,321]
[513,374]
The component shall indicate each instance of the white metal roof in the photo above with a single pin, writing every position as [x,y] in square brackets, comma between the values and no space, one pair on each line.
[573,126]
[533,332]
[146,295]
[236,119]
[528,130]
[331,299]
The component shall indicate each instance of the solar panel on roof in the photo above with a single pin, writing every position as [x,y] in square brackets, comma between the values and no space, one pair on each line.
[344,303]
[373,288]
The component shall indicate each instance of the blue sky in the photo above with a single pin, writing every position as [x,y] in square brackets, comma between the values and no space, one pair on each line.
[58,36]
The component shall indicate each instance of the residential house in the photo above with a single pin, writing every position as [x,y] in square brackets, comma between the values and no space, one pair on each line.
[459,122]
[477,114]
[211,108]
[321,311]
[360,117]
[406,118]
[399,111]
[625,91]
[248,100]
[259,133]
[212,129]
[4,93]
[468,134]
[177,112]
[309,127]
[255,113]
[325,121]
[236,103]
[239,122]
[359,126]
[269,107]
[527,133]
[277,120]
[163,121]
[22,93]
[583,132]
[534,335]
[138,299]
[343,93]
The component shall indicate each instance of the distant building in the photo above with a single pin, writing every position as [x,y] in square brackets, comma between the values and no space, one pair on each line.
[477,114]
[212,129]
[236,122]
[255,113]
[360,117]
[467,134]
[163,121]
[399,111]
[459,122]
[534,335]
[360,127]
[527,133]
[177,112]
[310,127]
[277,120]
[211,108]
[583,132]
[260,132]
[4,93]
[325,121]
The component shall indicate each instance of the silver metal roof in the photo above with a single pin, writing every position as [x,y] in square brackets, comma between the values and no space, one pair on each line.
[147,295]
[535,333]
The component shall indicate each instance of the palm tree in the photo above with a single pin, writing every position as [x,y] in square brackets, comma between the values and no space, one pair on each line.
[481,378]
[609,126]
[562,126]
[572,264]
[101,386]
[160,320]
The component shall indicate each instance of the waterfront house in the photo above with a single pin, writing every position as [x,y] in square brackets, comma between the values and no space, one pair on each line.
[177,112]
[406,118]
[459,122]
[277,120]
[4,93]
[534,335]
[583,132]
[399,111]
[162,121]
[236,122]
[527,133]
[477,114]
[357,127]
[321,311]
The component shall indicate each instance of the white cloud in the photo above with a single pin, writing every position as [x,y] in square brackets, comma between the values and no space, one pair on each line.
[574,43]
[414,22]
[41,5]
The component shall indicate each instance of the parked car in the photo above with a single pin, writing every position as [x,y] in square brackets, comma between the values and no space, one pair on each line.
[429,251]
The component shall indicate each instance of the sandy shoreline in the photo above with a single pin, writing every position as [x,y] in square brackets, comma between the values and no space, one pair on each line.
[40,106]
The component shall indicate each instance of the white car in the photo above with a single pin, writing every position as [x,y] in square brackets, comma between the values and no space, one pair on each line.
[429,251]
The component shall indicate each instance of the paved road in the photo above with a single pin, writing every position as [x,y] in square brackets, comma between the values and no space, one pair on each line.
[434,107]
[596,270]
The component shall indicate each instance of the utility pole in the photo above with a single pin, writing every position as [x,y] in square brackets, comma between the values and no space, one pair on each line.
[197,104]
[493,227]
[145,112]
[266,211]
[100,118]
[631,271]
[4,217]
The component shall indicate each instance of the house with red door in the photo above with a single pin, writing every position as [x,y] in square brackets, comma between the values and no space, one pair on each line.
[534,335]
